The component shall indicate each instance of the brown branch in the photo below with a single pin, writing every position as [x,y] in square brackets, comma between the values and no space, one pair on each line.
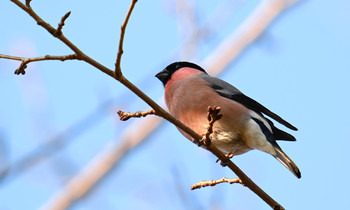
[118,70]
[58,31]
[25,61]
[160,111]
[124,116]
[215,182]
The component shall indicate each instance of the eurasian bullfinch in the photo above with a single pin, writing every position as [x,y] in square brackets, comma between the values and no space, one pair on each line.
[189,90]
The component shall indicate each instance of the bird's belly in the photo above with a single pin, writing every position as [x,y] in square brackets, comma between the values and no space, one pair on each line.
[229,142]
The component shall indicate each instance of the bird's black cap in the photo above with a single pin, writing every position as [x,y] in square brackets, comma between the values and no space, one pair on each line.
[165,75]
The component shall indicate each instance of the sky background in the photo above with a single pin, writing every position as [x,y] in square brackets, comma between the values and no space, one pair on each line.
[298,68]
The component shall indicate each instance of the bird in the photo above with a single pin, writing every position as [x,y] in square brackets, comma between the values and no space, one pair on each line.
[244,125]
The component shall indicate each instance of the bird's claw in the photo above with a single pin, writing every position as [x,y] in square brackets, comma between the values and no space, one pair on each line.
[225,162]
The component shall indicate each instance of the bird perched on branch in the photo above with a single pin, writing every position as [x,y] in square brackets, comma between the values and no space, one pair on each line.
[189,90]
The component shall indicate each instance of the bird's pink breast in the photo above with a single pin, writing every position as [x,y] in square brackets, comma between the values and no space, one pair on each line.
[188,99]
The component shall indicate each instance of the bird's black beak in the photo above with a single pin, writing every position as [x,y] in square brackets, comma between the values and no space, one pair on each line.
[163,76]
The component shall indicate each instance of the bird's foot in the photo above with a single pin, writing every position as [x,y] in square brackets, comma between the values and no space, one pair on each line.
[201,142]
[225,162]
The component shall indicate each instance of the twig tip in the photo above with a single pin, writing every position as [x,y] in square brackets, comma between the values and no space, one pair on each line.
[21,69]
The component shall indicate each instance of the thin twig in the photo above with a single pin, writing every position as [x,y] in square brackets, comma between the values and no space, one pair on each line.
[58,31]
[215,182]
[25,61]
[124,116]
[213,116]
[118,70]
[46,57]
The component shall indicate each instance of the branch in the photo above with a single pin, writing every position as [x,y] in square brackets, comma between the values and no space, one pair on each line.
[118,70]
[161,112]
[124,116]
[215,182]
[25,61]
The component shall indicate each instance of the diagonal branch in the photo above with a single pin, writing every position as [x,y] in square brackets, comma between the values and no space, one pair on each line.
[118,70]
[25,61]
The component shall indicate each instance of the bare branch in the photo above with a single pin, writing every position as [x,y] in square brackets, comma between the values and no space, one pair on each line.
[124,116]
[25,61]
[215,182]
[118,70]
[58,32]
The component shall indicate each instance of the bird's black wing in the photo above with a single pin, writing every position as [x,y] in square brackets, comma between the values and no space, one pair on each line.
[228,91]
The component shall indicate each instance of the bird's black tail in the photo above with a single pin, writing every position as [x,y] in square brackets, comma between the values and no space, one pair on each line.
[287,162]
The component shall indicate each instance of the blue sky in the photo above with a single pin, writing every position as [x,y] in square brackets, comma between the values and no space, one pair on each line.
[299,68]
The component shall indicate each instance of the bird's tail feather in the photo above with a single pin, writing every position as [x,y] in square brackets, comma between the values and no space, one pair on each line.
[287,162]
